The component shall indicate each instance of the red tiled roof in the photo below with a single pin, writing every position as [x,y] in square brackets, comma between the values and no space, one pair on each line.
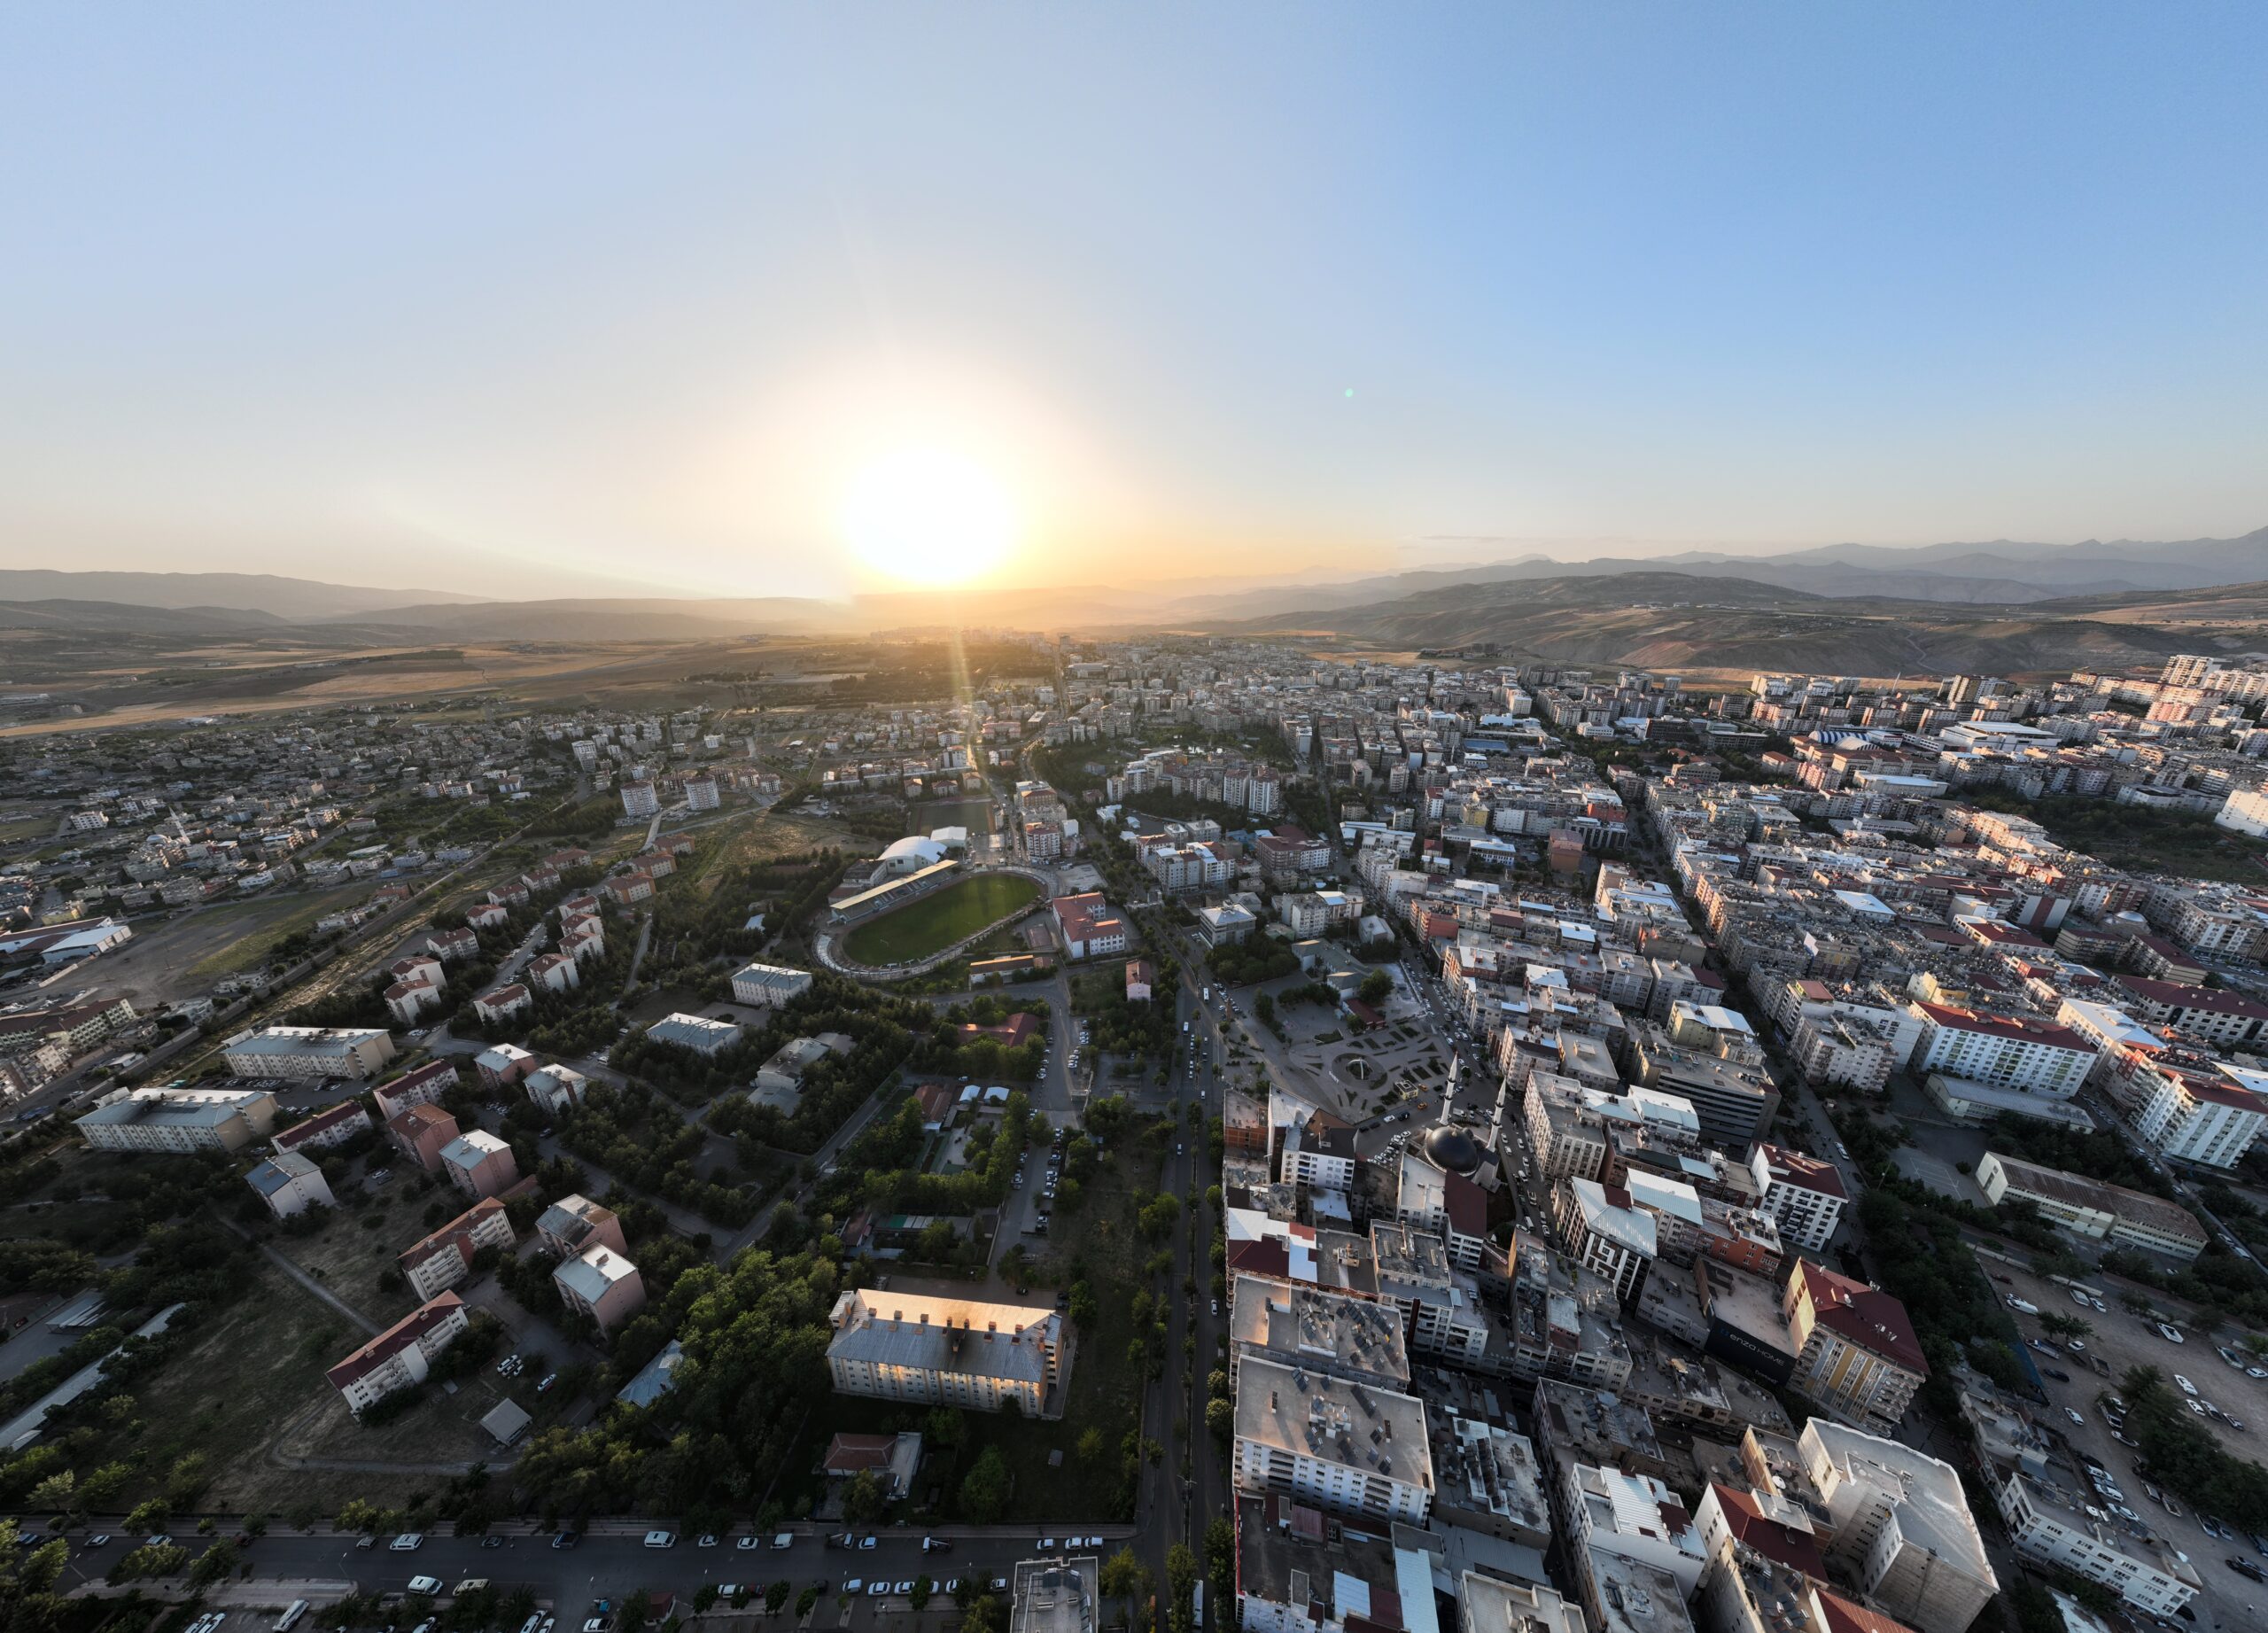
[2022,1029]
[1841,1616]
[347,1111]
[1867,1316]
[410,1330]
[1775,1542]
[1796,1168]
[2174,995]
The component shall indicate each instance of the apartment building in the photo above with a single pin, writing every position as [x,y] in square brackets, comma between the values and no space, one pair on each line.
[2210,1120]
[945,1351]
[2049,1523]
[601,1283]
[290,1184]
[2209,1014]
[695,1032]
[1901,1526]
[443,1259]
[1634,1515]
[2017,1053]
[1856,1353]
[555,1088]
[501,1065]
[1336,1444]
[333,1126]
[423,1132]
[421,1087]
[573,1225]
[1803,1195]
[2091,1208]
[479,1164]
[765,986]
[1319,1329]
[1607,1232]
[182,1119]
[401,1356]
[308,1052]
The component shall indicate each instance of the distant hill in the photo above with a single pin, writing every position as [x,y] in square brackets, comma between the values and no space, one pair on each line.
[2000,573]
[253,591]
[1675,620]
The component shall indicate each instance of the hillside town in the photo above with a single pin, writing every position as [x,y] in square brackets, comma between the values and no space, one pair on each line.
[1157,1129]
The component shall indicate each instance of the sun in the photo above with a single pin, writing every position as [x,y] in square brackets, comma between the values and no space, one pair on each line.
[927,516]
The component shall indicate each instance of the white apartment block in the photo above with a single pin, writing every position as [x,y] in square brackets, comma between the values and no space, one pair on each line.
[1309,1436]
[638,799]
[2091,1208]
[2197,1120]
[2050,1526]
[944,1352]
[1804,1196]
[308,1052]
[180,1120]
[290,1184]
[2007,1051]
[1901,1526]
[762,986]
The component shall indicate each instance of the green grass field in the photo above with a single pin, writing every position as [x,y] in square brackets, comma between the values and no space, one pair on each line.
[938,919]
[973,814]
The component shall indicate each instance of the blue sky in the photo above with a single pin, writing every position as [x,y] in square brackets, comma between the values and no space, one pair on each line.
[540,299]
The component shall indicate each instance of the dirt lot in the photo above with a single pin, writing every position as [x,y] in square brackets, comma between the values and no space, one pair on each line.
[348,1257]
[2124,1339]
[181,956]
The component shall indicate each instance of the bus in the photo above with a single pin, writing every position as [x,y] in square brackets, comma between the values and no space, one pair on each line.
[291,1616]
[1197,1604]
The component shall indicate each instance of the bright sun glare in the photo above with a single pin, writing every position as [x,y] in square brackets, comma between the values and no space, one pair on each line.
[927,518]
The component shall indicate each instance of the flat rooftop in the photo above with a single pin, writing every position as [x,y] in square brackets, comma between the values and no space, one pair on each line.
[1313,1326]
[1373,1431]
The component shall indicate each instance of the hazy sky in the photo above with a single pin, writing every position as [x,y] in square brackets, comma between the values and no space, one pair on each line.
[529,299]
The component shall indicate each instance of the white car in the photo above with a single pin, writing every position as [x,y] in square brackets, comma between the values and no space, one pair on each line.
[2171,1334]
[2188,1388]
[2073,1414]
[424,1584]
[408,1542]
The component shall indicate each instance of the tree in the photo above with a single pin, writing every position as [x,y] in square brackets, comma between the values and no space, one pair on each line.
[864,1500]
[919,1597]
[1376,988]
[1126,1578]
[214,1563]
[1221,1417]
[985,1493]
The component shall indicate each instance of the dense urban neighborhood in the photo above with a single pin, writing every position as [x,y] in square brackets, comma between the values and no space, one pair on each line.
[1080,1134]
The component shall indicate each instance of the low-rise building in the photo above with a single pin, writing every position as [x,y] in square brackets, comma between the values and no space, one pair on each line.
[598,1282]
[183,1119]
[479,1164]
[423,1132]
[945,1351]
[2093,1208]
[401,1356]
[290,1184]
[575,1223]
[308,1052]
[698,1033]
[763,986]
[444,1258]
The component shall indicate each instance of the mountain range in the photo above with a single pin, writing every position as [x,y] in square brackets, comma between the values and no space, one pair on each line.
[2002,593]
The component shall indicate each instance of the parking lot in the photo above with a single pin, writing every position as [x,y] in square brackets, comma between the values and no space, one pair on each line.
[2120,1339]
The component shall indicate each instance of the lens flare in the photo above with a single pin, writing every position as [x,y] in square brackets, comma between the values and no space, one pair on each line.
[927,516]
